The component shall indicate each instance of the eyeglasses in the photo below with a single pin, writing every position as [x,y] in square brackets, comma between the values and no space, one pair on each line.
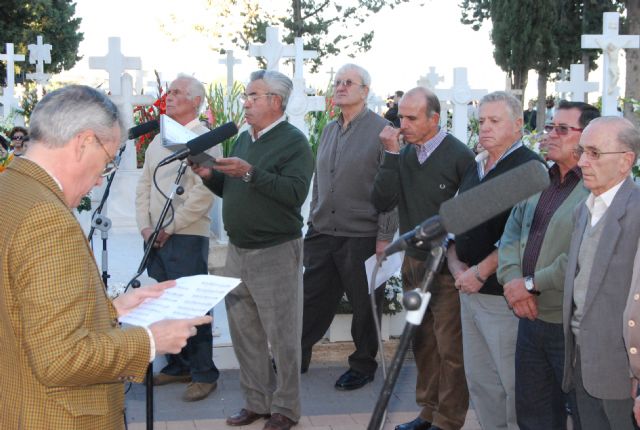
[253,97]
[347,83]
[560,129]
[594,154]
[18,137]
[111,165]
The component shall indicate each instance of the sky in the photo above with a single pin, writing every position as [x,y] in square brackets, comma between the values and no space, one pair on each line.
[408,40]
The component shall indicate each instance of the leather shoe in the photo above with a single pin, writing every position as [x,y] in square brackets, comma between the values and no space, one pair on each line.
[164,379]
[279,422]
[244,417]
[352,380]
[417,424]
[198,390]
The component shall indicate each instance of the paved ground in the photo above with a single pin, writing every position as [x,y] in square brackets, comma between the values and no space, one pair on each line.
[323,407]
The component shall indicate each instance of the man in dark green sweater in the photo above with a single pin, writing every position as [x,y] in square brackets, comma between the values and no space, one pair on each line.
[418,179]
[264,183]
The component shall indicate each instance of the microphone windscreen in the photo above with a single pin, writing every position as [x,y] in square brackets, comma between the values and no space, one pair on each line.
[479,204]
[212,138]
[147,127]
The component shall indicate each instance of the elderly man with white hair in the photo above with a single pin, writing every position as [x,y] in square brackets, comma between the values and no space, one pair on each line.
[182,247]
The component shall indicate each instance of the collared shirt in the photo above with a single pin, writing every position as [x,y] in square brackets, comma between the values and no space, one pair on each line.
[598,205]
[481,159]
[426,149]
[267,128]
[549,202]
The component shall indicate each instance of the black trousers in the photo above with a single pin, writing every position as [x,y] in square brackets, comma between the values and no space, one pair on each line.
[334,265]
[186,255]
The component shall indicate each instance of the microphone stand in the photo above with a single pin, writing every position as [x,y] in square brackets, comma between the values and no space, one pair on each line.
[135,283]
[416,303]
[103,223]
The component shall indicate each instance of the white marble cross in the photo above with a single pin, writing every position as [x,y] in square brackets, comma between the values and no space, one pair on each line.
[115,63]
[331,74]
[39,54]
[230,61]
[126,102]
[430,80]
[300,56]
[300,104]
[577,85]
[9,102]
[507,87]
[460,95]
[610,41]
[273,50]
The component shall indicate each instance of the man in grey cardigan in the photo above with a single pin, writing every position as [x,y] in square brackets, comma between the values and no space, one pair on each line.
[532,261]
[344,227]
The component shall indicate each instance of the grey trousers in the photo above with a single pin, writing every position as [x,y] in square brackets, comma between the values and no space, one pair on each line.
[489,333]
[266,310]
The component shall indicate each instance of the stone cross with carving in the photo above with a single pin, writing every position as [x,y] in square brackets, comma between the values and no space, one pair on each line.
[126,102]
[610,41]
[9,102]
[430,80]
[115,63]
[460,95]
[375,103]
[39,54]
[272,50]
[300,103]
[577,85]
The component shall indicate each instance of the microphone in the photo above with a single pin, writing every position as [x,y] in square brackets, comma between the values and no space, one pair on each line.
[203,142]
[477,205]
[144,128]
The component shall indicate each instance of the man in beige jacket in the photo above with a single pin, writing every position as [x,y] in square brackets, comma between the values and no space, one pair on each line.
[182,246]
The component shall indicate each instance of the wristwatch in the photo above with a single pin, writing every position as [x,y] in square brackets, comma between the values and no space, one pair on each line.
[531,288]
[247,176]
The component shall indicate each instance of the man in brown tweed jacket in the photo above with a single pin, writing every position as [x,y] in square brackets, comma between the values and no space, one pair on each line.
[63,356]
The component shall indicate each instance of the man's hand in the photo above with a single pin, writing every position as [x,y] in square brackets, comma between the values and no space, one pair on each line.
[135,296]
[146,234]
[170,336]
[515,291]
[527,308]
[390,138]
[467,283]
[234,166]
[380,246]
[163,236]
[202,171]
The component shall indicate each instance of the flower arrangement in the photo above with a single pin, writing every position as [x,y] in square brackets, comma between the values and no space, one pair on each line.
[391,302]
[222,107]
[142,114]
[5,160]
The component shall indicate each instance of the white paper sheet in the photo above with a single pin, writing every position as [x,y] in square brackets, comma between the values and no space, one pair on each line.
[389,267]
[193,296]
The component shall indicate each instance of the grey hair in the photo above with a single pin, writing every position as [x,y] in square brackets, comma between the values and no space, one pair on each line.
[194,88]
[627,135]
[277,83]
[361,71]
[64,113]
[432,101]
[513,104]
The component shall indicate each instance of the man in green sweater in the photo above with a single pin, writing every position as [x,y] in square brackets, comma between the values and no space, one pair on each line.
[418,179]
[532,258]
[264,183]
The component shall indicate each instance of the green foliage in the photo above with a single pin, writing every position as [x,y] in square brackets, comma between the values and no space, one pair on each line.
[21,21]
[223,107]
[318,120]
[329,27]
